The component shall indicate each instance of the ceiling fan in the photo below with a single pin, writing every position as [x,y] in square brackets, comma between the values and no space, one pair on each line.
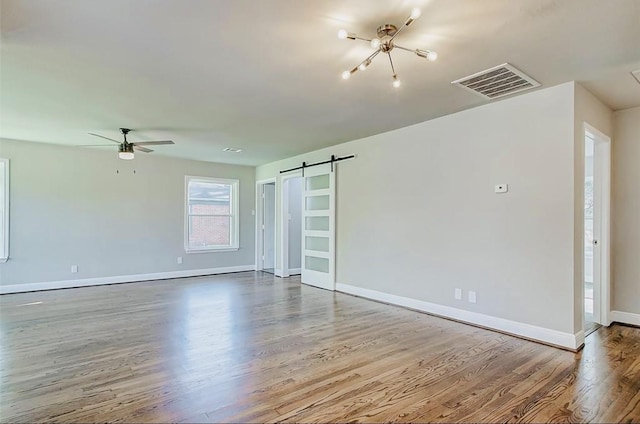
[125,150]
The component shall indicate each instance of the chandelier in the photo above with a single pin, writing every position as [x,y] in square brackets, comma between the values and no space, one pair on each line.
[384,43]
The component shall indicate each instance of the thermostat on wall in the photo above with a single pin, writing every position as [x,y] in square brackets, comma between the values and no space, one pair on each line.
[501,188]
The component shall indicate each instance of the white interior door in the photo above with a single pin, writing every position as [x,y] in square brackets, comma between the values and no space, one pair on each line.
[318,230]
[591,230]
[597,226]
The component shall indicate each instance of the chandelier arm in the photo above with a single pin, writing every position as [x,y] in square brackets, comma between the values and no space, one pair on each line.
[403,48]
[368,40]
[374,54]
[406,24]
[369,58]
[393,69]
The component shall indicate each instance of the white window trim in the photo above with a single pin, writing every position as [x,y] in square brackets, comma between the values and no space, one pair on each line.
[235,216]
[4,253]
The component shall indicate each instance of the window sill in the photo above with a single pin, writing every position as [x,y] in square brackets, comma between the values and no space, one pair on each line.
[211,250]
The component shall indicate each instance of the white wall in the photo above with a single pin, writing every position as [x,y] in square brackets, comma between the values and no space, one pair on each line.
[587,109]
[70,207]
[626,213]
[417,215]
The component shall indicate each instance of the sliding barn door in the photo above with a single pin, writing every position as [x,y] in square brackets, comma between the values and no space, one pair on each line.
[318,235]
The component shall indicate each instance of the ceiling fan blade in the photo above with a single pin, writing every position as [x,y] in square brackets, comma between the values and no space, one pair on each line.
[95,145]
[151,143]
[142,149]
[106,138]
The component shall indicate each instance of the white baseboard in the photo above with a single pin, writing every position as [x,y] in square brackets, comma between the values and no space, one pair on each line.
[528,331]
[85,282]
[295,271]
[278,273]
[625,317]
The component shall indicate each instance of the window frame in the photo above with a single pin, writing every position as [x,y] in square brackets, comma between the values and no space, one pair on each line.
[234,233]
[4,219]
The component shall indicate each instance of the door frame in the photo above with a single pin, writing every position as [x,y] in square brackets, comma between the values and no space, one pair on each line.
[602,197]
[284,221]
[259,218]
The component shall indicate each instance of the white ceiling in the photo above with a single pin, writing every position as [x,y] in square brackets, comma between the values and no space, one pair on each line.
[265,75]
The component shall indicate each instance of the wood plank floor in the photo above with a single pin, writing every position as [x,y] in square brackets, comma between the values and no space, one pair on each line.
[249,347]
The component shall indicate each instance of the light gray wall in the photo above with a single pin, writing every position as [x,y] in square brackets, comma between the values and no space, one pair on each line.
[295,223]
[587,109]
[626,211]
[70,207]
[417,215]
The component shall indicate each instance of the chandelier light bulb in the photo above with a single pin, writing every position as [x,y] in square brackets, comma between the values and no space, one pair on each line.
[431,56]
[346,75]
[342,34]
[396,82]
[415,13]
[375,43]
[364,65]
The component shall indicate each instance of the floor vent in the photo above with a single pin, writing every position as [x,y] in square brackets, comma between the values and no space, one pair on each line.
[498,81]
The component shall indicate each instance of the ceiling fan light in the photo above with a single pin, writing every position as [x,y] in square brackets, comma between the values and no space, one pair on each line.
[125,151]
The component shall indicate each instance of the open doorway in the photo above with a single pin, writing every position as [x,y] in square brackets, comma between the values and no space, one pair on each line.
[597,177]
[266,226]
[292,225]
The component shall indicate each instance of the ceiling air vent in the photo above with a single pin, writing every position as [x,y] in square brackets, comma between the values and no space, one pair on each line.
[498,81]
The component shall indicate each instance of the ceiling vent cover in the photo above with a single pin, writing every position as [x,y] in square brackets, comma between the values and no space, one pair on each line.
[498,81]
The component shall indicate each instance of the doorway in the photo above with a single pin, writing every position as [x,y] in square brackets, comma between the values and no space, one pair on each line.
[266,220]
[597,177]
[292,225]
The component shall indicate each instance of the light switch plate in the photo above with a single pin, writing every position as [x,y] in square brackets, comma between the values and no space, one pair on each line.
[179,260]
[74,268]
[458,294]
[501,188]
[472,297]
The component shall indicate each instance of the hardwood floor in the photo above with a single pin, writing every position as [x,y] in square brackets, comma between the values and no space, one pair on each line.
[249,347]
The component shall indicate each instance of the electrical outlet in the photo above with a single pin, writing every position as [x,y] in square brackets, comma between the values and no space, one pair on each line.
[458,294]
[179,260]
[74,268]
[501,188]
[472,297]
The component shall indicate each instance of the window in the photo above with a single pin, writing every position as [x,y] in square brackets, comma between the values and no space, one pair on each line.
[4,210]
[211,214]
